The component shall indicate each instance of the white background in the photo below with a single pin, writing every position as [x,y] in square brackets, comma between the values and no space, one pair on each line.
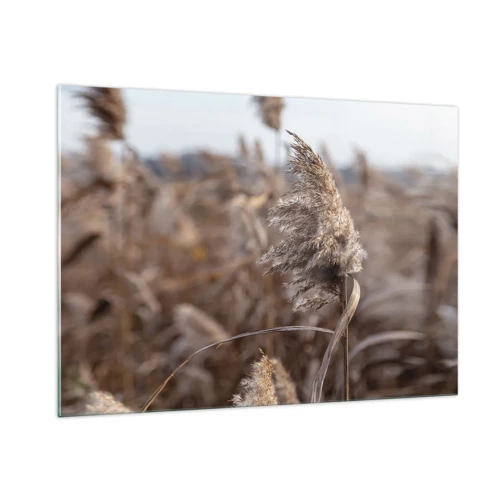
[424,52]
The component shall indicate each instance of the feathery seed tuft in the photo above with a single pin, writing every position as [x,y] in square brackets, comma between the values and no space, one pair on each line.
[283,383]
[270,110]
[99,402]
[107,105]
[258,389]
[321,246]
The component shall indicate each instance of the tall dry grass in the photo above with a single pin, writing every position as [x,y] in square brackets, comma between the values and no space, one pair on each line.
[180,261]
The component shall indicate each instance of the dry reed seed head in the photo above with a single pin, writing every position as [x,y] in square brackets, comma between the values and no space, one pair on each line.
[107,105]
[258,389]
[328,160]
[321,246]
[99,402]
[194,323]
[270,110]
[286,391]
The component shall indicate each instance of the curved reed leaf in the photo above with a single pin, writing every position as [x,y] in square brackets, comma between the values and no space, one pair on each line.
[377,339]
[381,338]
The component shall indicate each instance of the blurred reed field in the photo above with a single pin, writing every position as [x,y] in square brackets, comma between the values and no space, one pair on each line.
[160,258]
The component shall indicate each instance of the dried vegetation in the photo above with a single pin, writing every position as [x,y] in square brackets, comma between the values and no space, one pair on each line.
[154,267]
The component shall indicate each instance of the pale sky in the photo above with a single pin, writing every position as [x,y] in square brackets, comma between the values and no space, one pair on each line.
[392,135]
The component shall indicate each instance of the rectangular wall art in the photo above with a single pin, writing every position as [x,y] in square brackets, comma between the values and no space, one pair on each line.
[222,250]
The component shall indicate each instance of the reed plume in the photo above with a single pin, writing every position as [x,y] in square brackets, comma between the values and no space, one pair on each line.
[270,110]
[321,246]
[99,402]
[258,389]
[286,391]
[330,163]
[268,384]
[107,105]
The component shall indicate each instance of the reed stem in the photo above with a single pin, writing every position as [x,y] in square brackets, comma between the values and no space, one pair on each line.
[277,149]
[345,343]
[125,320]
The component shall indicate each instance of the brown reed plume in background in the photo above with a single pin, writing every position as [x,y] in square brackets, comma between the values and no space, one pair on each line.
[107,105]
[270,109]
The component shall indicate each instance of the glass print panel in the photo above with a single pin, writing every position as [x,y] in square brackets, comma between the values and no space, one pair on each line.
[223,250]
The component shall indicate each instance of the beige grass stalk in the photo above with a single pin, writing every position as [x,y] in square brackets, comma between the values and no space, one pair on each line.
[320,247]
[108,106]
